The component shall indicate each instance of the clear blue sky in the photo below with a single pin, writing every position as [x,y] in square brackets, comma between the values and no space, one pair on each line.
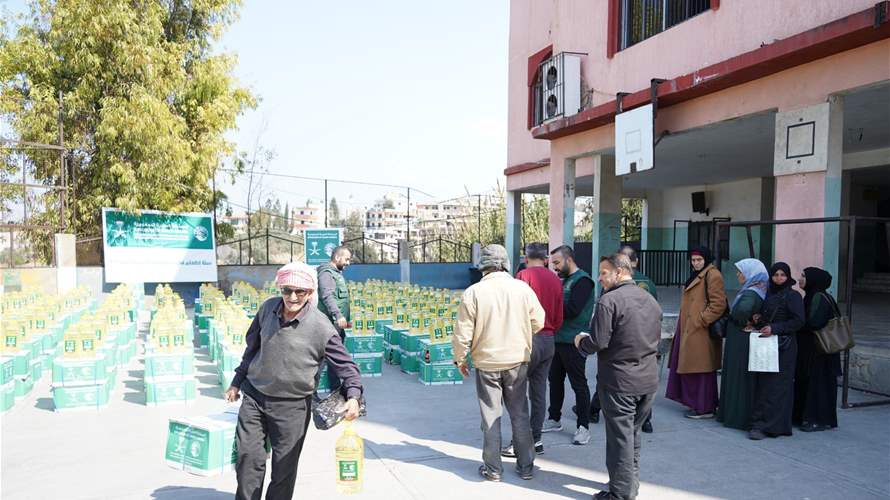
[398,91]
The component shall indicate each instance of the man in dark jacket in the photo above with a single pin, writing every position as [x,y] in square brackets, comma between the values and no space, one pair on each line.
[286,344]
[624,333]
[333,296]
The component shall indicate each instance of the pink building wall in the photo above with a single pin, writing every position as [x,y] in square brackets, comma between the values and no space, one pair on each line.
[581,26]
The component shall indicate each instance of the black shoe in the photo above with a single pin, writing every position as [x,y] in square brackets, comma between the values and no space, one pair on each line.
[647,427]
[595,416]
[575,410]
[603,495]
[808,427]
[756,435]
[488,475]
[539,448]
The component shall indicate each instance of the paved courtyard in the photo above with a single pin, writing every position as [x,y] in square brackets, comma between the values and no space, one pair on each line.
[424,442]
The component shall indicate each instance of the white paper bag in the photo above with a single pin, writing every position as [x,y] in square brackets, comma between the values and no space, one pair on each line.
[763,353]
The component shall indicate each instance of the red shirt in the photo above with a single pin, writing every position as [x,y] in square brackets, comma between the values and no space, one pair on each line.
[548,287]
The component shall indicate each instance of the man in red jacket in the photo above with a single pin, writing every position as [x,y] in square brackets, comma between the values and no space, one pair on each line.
[548,288]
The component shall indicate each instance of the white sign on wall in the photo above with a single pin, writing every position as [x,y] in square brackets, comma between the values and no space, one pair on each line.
[158,247]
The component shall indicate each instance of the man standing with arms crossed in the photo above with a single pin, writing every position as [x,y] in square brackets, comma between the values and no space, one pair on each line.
[495,323]
[333,295]
[624,333]
[548,289]
[578,300]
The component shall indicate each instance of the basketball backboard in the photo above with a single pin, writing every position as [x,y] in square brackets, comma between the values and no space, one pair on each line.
[634,140]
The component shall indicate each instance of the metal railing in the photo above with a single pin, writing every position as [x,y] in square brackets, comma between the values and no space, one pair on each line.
[263,248]
[664,267]
[440,250]
[369,251]
[642,19]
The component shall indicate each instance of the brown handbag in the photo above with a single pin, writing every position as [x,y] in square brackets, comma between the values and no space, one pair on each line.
[836,335]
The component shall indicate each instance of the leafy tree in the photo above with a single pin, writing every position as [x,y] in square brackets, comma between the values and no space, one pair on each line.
[333,212]
[145,102]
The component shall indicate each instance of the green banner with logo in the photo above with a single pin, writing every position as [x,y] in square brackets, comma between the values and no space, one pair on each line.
[320,244]
[158,230]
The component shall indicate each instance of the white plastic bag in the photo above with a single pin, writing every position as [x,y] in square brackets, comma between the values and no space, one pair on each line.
[763,353]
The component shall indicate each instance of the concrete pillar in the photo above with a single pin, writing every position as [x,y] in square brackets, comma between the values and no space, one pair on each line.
[66,262]
[562,202]
[767,212]
[404,262]
[807,168]
[607,210]
[513,234]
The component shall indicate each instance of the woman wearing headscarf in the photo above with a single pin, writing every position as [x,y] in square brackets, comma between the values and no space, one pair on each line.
[695,356]
[782,314]
[815,383]
[736,383]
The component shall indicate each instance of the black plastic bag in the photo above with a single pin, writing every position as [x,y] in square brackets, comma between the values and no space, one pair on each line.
[328,412]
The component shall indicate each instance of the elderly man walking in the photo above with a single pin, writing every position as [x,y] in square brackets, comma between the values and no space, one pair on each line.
[624,333]
[495,324]
[287,342]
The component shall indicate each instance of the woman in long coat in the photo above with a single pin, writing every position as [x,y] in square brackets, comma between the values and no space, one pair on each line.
[782,315]
[815,383]
[736,383]
[695,356]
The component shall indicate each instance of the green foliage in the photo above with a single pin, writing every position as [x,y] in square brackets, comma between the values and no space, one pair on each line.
[145,104]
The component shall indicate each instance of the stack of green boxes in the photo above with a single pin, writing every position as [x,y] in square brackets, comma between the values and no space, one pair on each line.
[170,353]
[367,348]
[392,350]
[82,382]
[7,384]
[436,364]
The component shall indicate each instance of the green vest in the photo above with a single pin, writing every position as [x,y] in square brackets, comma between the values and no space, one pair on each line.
[572,327]
[645,283]
[341,294]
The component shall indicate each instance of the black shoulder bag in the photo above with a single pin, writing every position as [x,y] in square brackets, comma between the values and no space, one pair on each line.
[717,329]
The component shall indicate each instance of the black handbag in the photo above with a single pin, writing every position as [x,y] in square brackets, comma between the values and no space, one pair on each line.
[717,329]
[328,412]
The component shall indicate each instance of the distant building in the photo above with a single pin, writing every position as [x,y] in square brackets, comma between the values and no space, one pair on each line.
[307,217]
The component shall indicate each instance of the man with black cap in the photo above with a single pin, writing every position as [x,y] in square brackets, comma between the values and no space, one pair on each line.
[496,321]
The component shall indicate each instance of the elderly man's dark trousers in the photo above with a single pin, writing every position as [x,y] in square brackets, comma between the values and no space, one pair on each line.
[624,415]
[284,421]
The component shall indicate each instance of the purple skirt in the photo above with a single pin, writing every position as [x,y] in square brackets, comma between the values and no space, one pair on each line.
[695,390]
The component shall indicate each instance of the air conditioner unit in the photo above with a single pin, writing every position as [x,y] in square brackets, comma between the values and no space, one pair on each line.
[561,86]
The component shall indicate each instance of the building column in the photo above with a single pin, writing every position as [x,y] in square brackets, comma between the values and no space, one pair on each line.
[606,235]
[807,167]
[562,203]
[513,234]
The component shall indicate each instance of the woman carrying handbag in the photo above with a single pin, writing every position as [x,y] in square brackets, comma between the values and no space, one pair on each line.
[782,315]
[695,354]
[815,383]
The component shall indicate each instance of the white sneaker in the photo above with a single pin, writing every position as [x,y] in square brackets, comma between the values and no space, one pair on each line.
[582,436]
[551,426]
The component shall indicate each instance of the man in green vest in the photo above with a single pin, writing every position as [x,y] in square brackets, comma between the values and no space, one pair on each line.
[334,296]
[644,282]
[578,302]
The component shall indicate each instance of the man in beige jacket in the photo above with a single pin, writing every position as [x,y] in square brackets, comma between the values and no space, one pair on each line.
[495,324]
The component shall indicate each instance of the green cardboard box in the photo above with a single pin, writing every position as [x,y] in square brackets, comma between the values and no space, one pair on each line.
[410,362]
[380,323]
[229,360]
[87,396]
[435,353]
[225,378]
[359,344]
[35,345]
[23,386]
[370,365]
[170,392]
[7,396]
[439,374]
[48,341]
[79,372]
[36,370]
[204,446]
[410,342]
[7,370]
[171,367]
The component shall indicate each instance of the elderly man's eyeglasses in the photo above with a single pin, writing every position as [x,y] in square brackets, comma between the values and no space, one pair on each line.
[300,292]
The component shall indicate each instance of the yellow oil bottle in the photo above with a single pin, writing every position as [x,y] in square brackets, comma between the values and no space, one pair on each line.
[350,457]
